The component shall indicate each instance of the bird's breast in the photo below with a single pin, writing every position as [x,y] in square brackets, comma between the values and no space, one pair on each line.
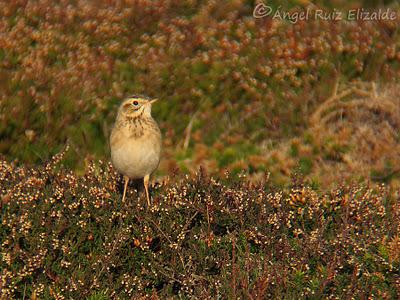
[135,155]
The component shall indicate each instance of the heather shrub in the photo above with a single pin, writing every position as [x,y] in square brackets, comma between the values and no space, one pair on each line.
[67,236]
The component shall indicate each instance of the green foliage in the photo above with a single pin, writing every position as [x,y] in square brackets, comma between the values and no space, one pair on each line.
[305,165]
[98,296]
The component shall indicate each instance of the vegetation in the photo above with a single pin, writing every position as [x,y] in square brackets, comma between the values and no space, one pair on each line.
[66,236]
[248,102]
[238,93]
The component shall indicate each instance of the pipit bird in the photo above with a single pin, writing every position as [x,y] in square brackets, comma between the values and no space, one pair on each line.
[135,141]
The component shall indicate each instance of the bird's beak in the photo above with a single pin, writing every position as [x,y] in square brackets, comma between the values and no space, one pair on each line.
[153,101]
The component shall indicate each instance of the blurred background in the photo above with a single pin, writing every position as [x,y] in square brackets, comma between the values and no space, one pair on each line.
[239,94]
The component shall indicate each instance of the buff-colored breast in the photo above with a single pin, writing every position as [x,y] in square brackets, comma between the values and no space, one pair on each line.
[136,152]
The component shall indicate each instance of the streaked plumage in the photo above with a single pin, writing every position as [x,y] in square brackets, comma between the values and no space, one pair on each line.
[135,141]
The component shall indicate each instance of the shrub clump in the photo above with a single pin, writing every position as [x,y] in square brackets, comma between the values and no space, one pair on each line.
[66,236]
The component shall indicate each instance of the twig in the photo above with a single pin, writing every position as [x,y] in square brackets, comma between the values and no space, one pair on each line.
[361,92]
[169,276]
[169,240]
[159,229]
[188,131]
[23,296]
[335,87]
[189,221]
[317,114]
[233,269]
[374,92]
[208,221]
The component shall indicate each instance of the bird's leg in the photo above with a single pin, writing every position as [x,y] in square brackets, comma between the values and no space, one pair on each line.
[146,187]
[125,186]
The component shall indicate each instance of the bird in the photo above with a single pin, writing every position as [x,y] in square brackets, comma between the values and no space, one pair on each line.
[135,141]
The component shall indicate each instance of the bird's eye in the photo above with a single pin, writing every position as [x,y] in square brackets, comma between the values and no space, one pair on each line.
[135,103]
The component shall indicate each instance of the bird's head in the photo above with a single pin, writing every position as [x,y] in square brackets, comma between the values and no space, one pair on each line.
[136,106]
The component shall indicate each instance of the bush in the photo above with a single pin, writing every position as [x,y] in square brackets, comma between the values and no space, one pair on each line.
[67,236]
